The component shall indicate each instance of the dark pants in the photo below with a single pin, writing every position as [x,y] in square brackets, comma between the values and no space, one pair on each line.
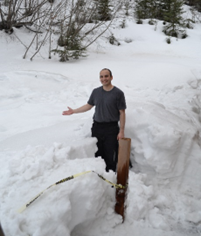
[107,144]
[1,231]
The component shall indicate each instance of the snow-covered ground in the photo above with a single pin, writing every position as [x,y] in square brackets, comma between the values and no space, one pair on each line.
[39,146]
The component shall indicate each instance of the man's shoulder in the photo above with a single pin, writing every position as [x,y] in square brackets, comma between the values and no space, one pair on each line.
[117,90]
[97,89]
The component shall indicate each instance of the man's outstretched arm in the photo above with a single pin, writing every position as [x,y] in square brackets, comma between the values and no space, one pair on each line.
[82,109]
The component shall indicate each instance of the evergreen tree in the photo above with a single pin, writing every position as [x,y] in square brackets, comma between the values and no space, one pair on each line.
[160,8]
[198,5]
[194,3]
[145,9]
[104,10]
[170,11]
[152,7]
[71,45]
[173,10]
[140,10]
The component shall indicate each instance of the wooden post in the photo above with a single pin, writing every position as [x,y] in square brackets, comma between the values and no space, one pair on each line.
[122,174]
[1,231]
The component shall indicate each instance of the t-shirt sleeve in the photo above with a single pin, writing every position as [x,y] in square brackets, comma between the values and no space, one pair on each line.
[91,99]
[121,102]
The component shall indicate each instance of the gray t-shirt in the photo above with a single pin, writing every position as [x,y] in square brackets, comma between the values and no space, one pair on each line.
[108,104]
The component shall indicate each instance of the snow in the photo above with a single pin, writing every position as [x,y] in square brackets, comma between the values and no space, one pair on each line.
[39,146]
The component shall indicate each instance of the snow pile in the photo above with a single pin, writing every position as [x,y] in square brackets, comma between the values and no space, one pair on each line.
[55,162]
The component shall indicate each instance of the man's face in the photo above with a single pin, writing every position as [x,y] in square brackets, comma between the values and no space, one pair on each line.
[105,78]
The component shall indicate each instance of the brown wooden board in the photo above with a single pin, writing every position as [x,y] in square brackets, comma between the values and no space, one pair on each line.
[122,174]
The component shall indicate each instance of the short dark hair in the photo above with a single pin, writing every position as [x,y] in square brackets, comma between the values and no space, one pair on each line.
[108,71]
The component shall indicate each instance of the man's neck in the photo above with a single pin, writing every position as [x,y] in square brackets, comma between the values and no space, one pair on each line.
[108,88]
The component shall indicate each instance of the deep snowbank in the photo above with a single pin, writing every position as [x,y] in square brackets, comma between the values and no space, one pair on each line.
[68,204]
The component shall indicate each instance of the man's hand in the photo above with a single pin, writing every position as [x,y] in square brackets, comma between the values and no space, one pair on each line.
[120,135]
[68,112]
[82,109]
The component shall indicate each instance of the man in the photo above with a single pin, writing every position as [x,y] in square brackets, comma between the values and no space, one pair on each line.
[110,105]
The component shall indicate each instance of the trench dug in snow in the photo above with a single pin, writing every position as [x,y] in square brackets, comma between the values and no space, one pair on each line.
[163,191]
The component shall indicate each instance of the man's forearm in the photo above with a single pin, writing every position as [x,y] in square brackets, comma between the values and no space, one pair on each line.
[122,124]
[82,109]
[122,120]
